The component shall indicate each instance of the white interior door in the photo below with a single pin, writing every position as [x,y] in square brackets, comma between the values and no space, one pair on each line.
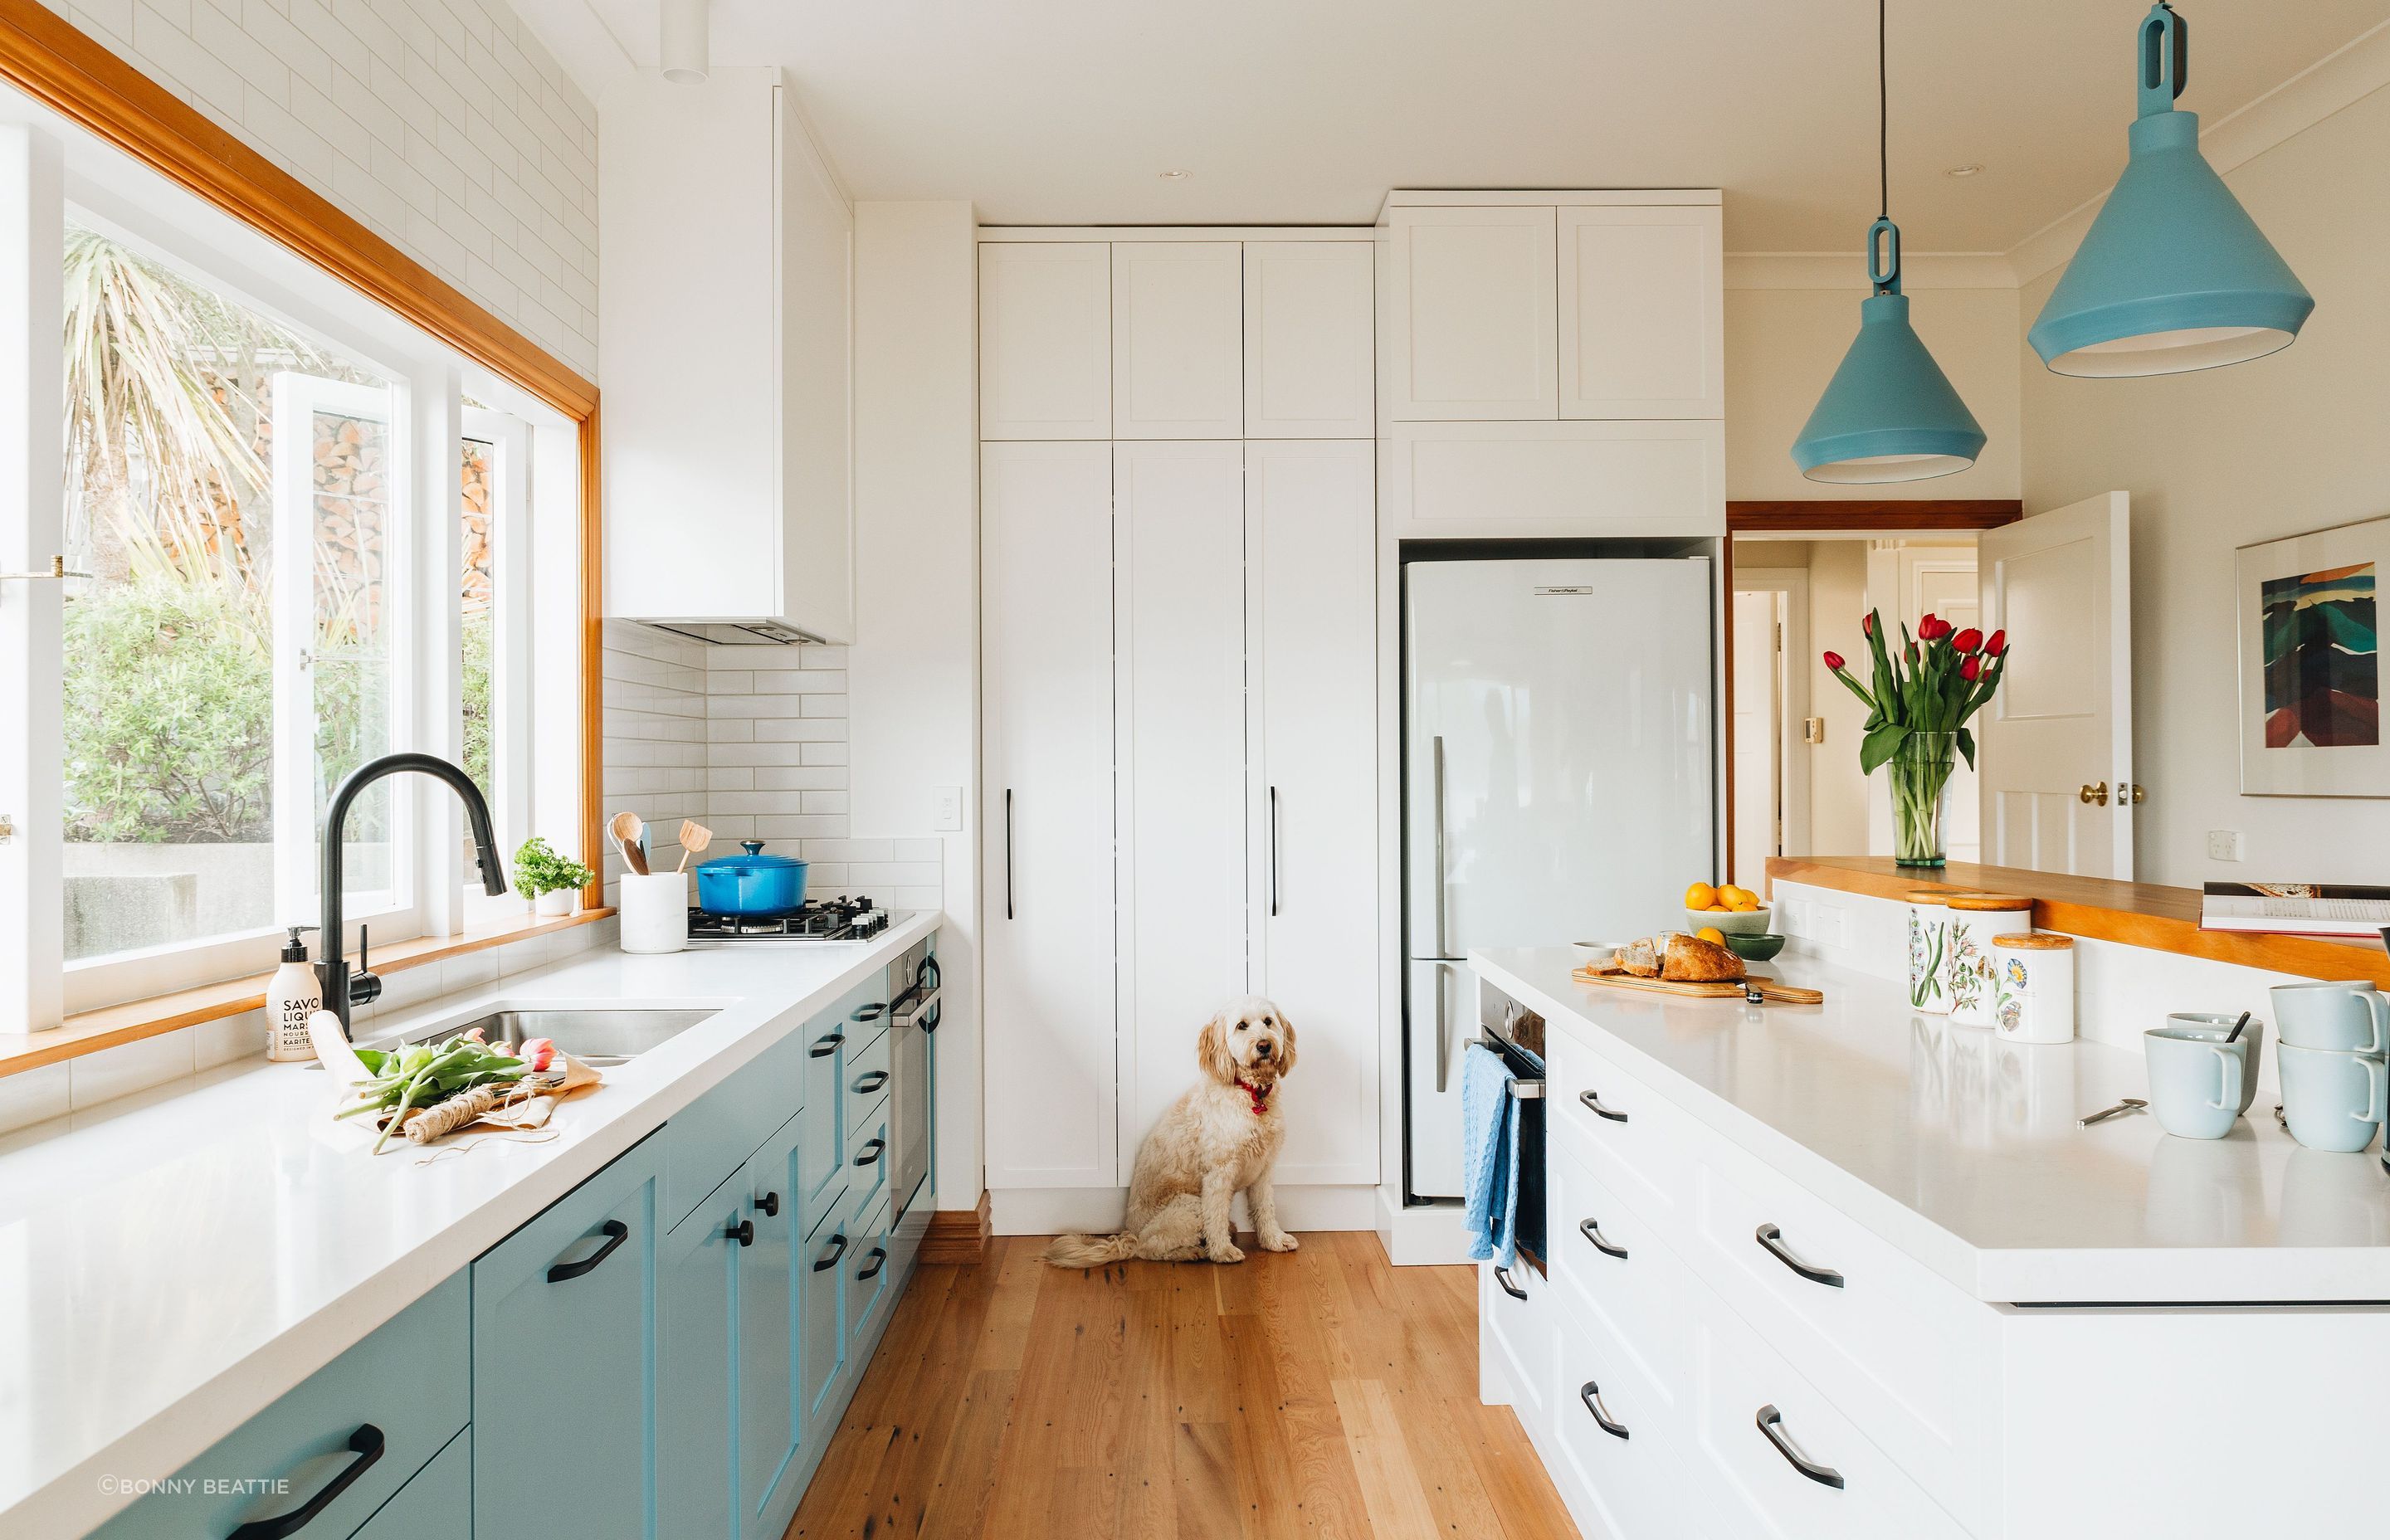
[1179,366]
[2057,742]
[1758,773]
[1312,572]
[1046,683]
[1179,640]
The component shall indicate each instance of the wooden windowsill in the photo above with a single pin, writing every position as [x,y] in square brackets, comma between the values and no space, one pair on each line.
[2137,913]
[89,1032]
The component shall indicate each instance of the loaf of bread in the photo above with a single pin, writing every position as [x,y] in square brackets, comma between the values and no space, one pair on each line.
[1642,958]
[1690,959]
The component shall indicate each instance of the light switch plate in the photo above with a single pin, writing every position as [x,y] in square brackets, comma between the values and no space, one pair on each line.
[2224,844]
[948,817]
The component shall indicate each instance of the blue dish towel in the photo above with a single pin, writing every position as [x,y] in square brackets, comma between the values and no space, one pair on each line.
[1489,1172]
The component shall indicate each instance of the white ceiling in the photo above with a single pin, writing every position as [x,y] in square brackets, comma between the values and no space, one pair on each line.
[1305,111]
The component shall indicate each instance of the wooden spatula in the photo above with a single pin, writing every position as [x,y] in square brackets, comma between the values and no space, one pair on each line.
[628,831]
[694,837]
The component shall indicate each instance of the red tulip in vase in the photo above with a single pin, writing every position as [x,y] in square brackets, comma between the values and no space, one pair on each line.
[1917,706]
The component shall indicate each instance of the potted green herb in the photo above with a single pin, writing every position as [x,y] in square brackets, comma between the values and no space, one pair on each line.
[552,882]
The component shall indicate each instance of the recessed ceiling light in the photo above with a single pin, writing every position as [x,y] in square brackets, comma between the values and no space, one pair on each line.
[1970,170]
[1175,175]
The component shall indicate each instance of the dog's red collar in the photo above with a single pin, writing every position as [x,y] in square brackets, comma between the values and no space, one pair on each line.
[1259,1094]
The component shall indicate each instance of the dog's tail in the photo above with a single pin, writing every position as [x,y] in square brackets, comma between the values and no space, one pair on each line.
[1091,1250]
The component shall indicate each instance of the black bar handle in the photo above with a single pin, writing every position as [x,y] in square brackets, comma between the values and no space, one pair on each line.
[743,1232]
[1273,850]
[1594,1101]
[1502,1276]
[365,1444]
[1590,1393]
[826,1046]
[1007,853]
[1772,1240]
[1601,1242]
[1771,1423]
[872,1150]
[615,1231]
[770,1204]
[878,1256]
[872,1083]
[871,1013]
[837,1250]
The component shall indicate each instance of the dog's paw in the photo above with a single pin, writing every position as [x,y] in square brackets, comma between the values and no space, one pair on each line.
[1231,1253]
[1279,1241]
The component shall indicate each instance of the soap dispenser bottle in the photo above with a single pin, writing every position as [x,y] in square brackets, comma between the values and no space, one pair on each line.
[291,995]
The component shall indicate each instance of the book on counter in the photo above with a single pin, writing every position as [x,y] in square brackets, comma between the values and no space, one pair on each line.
[2295,908]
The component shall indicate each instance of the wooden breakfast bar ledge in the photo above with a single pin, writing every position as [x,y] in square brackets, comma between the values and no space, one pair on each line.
[2136,913]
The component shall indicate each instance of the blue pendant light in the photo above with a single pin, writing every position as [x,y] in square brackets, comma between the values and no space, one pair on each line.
[2174,274]
[1889,413]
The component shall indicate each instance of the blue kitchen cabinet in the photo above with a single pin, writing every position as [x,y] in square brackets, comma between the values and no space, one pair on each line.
[697,1388]
[769,1293]
[437,1505]
[564,1364]
[833,1041]
[821,1348]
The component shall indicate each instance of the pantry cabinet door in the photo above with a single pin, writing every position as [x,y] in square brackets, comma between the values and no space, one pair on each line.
[1310,339]
[769,1425]
[697,1398]
[1178,342]
[1178,638]
[1641,311]
[1045,340]
[1470,330]
[1045,538]
[1310,538]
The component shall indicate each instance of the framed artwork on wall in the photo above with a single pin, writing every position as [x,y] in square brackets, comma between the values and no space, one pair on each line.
[2311,672]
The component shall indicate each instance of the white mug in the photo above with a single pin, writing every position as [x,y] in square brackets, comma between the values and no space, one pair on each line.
[2347,1016]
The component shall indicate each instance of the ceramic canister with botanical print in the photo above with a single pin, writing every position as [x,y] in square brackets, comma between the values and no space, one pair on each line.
[2033,987]
[1975,918]
[1929,933]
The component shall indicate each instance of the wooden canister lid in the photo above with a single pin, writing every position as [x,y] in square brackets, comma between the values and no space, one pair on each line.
[1994,903]
[2034,940]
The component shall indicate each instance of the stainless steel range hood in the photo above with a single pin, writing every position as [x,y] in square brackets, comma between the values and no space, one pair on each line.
[737,632]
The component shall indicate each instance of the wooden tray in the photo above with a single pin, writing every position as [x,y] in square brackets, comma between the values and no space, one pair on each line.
[1783,995]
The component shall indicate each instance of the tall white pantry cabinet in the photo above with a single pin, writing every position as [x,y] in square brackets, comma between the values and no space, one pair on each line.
[1177,532]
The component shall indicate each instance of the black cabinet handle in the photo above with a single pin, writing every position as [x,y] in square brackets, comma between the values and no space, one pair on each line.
[1590,1393]
[615,1231]
[743,1232]
[825,1047]
[1771,1423]
[1502,1276]
[837,1248]
[871,1013]
[1007,853]
[1601,1242]
[879,1259]
[872,1150]
[770,1204]
[1593,1101]
[870,1082]
[1273,852]
[1771,1239]
[366,1445]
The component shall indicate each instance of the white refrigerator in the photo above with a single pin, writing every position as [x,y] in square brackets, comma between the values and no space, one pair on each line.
[1558,775]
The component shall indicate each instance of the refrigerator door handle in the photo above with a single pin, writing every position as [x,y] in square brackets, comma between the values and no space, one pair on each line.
[1442,1030]
[1443,950]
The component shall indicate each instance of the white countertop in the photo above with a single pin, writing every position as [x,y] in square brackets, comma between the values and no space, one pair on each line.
[1961,1149]
[171,1264]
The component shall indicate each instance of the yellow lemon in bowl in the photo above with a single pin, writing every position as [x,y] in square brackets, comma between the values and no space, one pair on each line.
[1701,895]
[1712,933]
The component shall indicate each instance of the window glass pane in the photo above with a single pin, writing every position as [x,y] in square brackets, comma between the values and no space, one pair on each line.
[178,651]
[478,611]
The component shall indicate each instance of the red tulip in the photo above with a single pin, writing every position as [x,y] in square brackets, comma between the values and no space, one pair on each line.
[1998,645]
[1834,662]
[1933,628]
[1968,641]
[1912,652]
[1972,670]
[1866,624]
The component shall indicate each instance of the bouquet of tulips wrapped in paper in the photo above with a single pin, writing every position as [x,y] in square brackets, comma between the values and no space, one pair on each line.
[1919,700]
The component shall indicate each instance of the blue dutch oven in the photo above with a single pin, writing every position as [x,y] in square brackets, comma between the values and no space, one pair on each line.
[755,885]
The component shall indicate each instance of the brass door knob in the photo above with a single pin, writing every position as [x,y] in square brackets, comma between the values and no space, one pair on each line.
[2139,793]
[2097,795]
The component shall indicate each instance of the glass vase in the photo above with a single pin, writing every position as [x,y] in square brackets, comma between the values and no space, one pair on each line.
[1921,782]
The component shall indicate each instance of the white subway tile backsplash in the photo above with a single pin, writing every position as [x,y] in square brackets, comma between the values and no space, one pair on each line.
[130,1067]
[34,1096]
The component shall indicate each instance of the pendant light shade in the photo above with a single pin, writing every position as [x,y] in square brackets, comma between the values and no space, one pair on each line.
[1889,413]
[2174,274]
[683,55]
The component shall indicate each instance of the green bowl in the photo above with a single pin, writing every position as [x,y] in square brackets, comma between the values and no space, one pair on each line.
[1753,948]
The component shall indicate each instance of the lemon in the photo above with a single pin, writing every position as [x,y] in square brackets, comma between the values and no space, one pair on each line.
[1712,933]
[1701,895]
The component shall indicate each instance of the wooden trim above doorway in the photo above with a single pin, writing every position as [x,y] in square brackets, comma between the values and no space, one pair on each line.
[1810,516]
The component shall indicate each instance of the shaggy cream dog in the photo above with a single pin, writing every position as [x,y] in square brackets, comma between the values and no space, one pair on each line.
[1217,1140]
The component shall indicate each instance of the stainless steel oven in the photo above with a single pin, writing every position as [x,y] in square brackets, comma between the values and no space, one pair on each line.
[914,1007]
[1517,1033]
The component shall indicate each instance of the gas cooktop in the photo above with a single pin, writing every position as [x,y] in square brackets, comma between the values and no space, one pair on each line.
[820,920]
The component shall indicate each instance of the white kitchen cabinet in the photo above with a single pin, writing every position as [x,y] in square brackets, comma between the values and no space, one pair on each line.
[1311,567]
[1471,328]
[1641,311]
[1556,480]
[1045,533]
[1310,339]
[729,503]
[1178,339]
[1179,670]
[1046,346]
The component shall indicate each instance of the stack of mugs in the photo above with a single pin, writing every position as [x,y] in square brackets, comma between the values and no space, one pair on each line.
[2331,1055]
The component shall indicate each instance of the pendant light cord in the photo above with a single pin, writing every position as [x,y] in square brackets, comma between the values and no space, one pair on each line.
[1883,120]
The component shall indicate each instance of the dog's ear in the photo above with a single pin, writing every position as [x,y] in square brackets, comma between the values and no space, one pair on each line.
[1211,1050]
[1285,1043]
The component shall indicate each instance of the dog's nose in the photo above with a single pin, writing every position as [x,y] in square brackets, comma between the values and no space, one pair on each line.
[1264,1048]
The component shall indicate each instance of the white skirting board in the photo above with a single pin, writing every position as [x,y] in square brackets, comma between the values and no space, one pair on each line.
[1097,1211]
[1426,1235]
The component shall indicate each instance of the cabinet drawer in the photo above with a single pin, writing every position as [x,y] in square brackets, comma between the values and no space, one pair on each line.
[1901,1350]
[705,1143]
[1628,1477]
[1613,1272]
[364,1423]
[870,1161]
[865,1089]
[830,1255]
[1515,1321]
[1630,1137]
[868,1269]
[437,1505]
[1746,1399]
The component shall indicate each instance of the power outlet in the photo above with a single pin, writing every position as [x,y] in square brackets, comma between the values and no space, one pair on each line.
[948,817]
[2224,844]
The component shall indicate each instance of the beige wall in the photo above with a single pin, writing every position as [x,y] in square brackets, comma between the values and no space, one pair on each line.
[2223,458]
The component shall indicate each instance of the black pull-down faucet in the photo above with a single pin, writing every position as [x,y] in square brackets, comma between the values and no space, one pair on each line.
[342,990]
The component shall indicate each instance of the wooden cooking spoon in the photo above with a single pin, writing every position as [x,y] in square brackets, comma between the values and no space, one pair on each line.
[628,832]
[694,837]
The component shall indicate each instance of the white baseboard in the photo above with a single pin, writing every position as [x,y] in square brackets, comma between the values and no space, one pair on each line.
[1424,1236]
[1097,1211]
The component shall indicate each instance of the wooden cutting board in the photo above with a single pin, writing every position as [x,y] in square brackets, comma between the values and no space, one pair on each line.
[1784,994]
